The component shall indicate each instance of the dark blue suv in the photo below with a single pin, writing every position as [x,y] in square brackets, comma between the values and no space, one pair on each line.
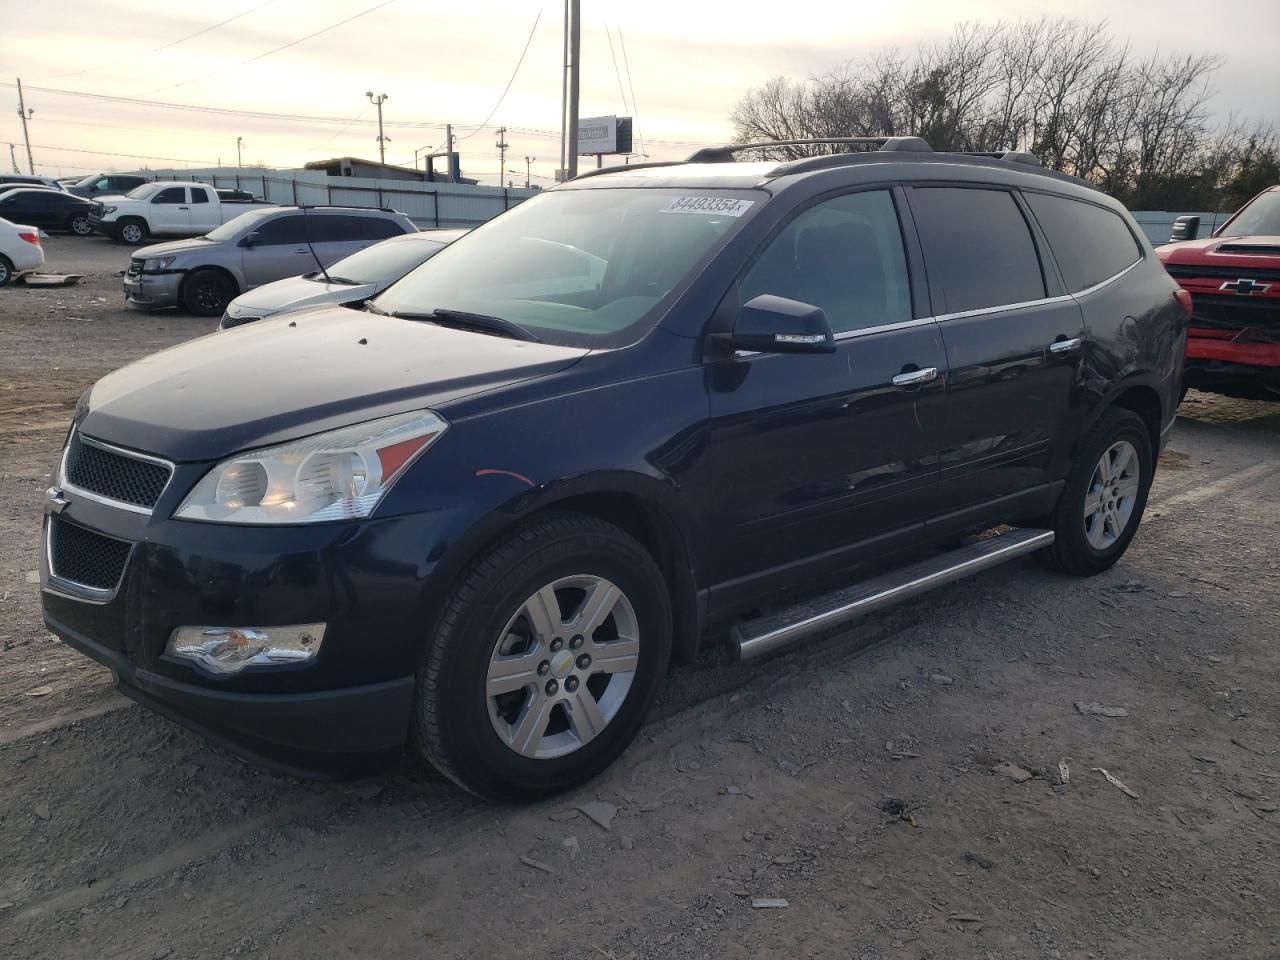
[483,514]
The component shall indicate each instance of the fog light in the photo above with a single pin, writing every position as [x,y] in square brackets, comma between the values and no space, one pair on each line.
[224,650]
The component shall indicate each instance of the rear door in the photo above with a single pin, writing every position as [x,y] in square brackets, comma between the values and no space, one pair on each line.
[170,211]
[1014,346]
[205,211]
[814,455]
[335,235]
[280,251]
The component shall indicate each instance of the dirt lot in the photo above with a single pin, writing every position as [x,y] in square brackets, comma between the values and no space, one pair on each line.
[121,835]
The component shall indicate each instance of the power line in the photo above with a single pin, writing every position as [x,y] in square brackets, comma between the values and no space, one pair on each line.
[635,111]
[347,127]
[509,82]
[165,46]
[130,156]
[283,46]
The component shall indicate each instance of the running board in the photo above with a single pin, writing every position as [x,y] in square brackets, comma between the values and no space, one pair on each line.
[766,634]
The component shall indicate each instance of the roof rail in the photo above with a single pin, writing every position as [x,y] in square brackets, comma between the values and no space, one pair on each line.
[1013,156]
[628,166]
[724,153]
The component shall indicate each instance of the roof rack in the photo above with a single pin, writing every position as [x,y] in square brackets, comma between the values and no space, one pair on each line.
[338,206]
[724,153]
[1013,156]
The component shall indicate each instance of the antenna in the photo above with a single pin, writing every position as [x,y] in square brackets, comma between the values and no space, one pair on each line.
[306,229]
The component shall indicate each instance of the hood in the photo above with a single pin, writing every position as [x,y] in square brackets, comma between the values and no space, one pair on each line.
[170,248]
[281,379]
[296,293]
[1259,251]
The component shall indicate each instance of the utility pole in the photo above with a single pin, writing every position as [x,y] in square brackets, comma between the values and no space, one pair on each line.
[239,162]
[502,152]
[25,114]
[575,48]
[448,150]
[378,101]
[528,162]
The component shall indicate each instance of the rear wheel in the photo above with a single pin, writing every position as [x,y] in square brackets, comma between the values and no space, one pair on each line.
[78,224]
[1101,505]
[545,661]
[6,270]
[206,293]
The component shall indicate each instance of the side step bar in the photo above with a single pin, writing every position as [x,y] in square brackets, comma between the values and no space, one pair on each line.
[766,634]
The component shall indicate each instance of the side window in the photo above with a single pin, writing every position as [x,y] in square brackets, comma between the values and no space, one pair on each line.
[377,228]
[844,255]
[199,195]
[102,183]
[171,195]
[282,230]
[977,247]
[1091,244]
[331,228]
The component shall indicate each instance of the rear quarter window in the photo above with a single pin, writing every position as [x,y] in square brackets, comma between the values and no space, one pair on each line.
[1090,243]
[379,228]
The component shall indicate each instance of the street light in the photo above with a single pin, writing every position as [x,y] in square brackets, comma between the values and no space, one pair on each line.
[419,152]
[527,162]
[239,140]
[378,101]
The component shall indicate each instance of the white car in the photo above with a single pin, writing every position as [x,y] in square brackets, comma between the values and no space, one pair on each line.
[20,250]
[167,208]
[351,280]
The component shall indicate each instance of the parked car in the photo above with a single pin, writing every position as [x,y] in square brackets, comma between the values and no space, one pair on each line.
[1233,278]
[10,187]
[50,209]
[20,250]
[352,279]
[30,181]
[164,208]
[206,273]
[495,509]
[106,184]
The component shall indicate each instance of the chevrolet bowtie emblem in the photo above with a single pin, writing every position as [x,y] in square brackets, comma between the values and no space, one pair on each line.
[1245,286]
[55,500]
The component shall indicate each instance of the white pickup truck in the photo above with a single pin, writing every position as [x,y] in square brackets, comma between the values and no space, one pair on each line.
[165,209]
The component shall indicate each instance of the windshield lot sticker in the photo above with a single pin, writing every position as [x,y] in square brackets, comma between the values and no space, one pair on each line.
[724,206]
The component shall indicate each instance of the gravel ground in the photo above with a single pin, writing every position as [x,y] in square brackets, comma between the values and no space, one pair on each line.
[858,778]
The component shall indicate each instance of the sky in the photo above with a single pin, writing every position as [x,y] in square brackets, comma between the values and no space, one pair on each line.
[689,62]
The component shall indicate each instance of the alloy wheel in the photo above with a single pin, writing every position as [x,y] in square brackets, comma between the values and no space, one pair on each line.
[562,667]
[131,233]
[80,226]
[1112,494]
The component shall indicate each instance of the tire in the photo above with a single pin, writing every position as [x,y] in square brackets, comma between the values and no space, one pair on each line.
[132,231]
[6,271]
[476,739]
[206,293]
[1086,545]
[78,224]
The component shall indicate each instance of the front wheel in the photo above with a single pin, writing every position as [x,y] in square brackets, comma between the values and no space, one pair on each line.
[1106,491]
[79,225]
[545,660]
[132,232]
[206,293]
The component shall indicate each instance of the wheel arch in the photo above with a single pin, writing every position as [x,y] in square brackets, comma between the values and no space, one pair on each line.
[1143,400]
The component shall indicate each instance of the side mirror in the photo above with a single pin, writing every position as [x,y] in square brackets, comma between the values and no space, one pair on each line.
[1185,228]
[250,239]
[770,324]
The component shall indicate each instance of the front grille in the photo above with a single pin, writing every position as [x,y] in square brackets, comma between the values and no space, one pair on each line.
[1235,312]
[229,321]
[114,475]
[1193,271]
[83,557]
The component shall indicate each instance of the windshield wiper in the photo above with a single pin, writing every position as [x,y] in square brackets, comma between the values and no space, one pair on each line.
[374,308]
[478,321]
[345,281]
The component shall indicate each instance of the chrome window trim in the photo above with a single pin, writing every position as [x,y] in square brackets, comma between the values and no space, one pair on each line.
[70,588]
[1098,286]
[65,484]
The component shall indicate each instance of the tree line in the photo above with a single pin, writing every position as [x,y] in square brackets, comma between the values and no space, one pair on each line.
[1065,90]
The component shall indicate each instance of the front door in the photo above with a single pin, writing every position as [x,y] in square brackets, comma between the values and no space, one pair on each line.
[1014,345]
[816,455]
[170,211]
[280,250]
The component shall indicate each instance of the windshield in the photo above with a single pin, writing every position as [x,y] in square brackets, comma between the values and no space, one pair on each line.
[1259,219]
[232,228]
[137,193]
[585,267]
[382,262]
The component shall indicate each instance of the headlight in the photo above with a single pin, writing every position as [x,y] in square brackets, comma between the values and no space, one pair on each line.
[157,264]
[108,209]
[339,475]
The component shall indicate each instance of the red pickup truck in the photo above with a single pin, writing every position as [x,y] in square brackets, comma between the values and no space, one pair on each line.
[1233,347]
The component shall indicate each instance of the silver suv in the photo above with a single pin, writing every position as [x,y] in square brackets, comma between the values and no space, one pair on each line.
[204,274]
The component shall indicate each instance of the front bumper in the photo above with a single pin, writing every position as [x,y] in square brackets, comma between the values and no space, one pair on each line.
[342,714]
[153,290]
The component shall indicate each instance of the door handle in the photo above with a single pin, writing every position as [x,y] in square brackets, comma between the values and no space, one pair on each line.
[184,208]
[1065,346]
[914,378]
